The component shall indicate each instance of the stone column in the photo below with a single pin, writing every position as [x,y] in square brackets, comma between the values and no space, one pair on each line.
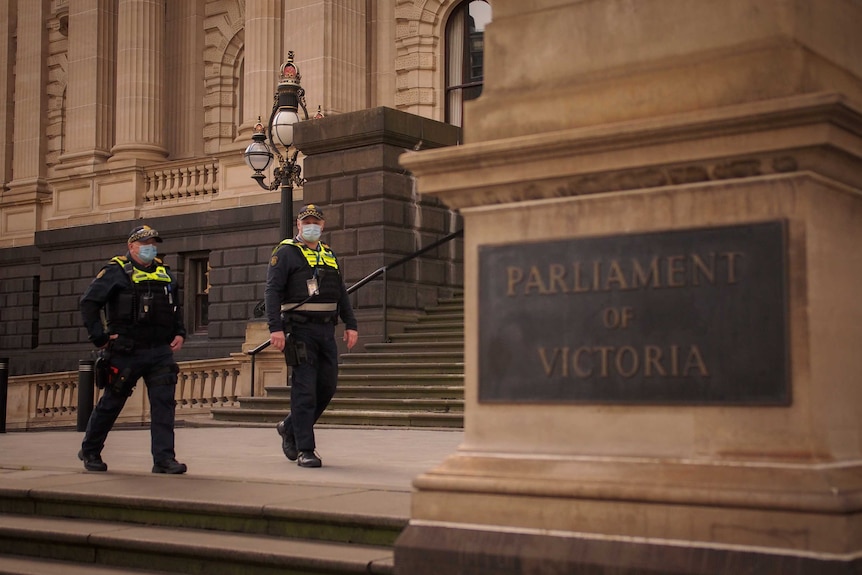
[28,191]
[185,73]
[661,294]
[7,84]
[264,54]
[140,130]
[89,126]
[329,39]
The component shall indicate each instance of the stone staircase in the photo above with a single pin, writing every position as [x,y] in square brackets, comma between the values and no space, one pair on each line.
[415,380]
[126,525]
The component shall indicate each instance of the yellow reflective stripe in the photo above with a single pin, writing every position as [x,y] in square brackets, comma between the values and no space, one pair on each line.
[325,255]
[160,274]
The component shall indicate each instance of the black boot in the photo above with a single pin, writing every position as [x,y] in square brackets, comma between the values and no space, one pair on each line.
[288,441]
[92,462]
[309,459]
[170,466]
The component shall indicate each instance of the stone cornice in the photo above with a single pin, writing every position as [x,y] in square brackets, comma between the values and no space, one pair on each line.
[763,138]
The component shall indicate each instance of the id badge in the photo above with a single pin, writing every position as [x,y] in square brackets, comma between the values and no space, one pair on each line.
[312,286]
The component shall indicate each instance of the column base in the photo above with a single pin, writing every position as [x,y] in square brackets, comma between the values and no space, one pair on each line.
[424,549]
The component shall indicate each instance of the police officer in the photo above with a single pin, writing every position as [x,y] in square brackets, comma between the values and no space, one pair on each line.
[305,296]
[142,329]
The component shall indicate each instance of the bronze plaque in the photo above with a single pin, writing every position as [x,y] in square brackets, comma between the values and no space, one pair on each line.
[693,316]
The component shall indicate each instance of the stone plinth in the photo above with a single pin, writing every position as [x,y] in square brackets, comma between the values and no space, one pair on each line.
[653,484]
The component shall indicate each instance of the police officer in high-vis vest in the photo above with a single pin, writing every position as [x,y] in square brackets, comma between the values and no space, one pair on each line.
[305,296]
[132,314]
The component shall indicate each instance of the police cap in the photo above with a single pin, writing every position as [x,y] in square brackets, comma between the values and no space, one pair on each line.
[144,233]
[310,211]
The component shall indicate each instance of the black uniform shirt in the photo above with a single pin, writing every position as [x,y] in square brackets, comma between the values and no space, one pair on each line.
[111,279]
[288,259]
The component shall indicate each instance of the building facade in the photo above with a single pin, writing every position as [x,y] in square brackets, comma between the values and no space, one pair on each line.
[122,111]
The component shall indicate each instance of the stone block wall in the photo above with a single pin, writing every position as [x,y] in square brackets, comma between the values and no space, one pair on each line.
[40,325]
[18,301]
[374,214]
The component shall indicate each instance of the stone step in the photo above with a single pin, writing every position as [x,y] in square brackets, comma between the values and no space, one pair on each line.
[182,550]
[447,307]
[431,329]
[408,380]
[401,357]
[452,336]
[403,401]
[418,419]
[359,382]
[411,346]
[395,378]
[402,368]
[23,565]
[372,387]
[441,317]
[435,327]
[177,503]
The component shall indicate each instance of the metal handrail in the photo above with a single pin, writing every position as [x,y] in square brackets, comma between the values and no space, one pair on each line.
[373,275]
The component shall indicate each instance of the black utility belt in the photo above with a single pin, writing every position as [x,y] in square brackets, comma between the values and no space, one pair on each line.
[303,318]
[312,307]
[128,345]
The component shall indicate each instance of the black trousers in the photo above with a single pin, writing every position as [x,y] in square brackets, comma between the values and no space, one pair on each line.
[157,367]
[313,381]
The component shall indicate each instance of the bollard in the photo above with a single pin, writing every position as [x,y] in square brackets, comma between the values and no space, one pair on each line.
[4,391]
[86,392]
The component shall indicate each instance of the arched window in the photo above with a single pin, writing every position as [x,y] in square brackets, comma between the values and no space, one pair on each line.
[465,47]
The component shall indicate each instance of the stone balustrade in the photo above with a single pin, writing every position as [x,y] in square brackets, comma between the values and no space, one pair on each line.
[50,400]
[181,180]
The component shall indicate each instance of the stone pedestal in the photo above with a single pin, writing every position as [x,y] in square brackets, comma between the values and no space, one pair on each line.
[622,450]
[268,369]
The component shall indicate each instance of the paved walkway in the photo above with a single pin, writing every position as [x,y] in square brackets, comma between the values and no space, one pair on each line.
[237,472]
[370,458]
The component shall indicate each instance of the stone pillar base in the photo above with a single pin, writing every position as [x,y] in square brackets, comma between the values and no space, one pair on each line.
[431,550]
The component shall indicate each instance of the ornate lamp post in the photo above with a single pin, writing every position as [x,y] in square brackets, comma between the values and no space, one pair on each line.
[289,97]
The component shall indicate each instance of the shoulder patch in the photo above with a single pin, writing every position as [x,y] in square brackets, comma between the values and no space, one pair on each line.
[100,274]
[273,261]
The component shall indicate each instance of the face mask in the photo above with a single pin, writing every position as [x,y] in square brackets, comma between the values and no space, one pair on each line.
[310,232]
[147,253]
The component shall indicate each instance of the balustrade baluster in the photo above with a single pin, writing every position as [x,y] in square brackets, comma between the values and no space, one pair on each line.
[213,382]
[213,172]
[148,187]
[38,399]
[62,407]
[187,188]
[223,387]
[176,183]
[199,180]
[55,388]
[182,379]
[159,193]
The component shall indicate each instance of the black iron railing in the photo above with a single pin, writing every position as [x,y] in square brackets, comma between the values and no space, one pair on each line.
[259,309]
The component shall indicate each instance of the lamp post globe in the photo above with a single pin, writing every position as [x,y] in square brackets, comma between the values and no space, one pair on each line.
[289,98]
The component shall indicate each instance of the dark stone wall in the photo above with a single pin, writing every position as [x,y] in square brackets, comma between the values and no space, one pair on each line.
[375,217]
[40,323]
[19,304]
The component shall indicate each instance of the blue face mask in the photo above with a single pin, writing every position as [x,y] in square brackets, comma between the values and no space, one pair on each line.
[147,253]
[310,232]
